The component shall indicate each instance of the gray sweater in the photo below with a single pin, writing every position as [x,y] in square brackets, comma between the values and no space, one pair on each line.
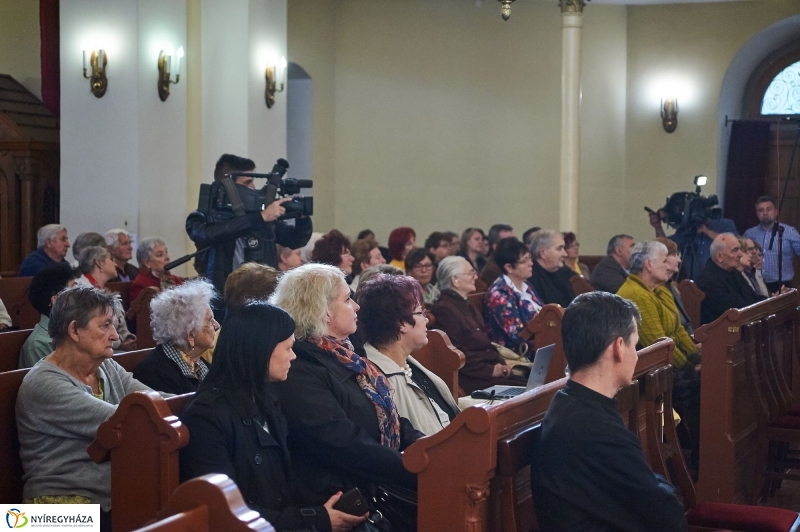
[57,419]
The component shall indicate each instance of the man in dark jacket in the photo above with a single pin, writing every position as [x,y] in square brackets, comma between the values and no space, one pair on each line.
[588,470]
[550,279]
[611,272]
[232,238]
[723,285]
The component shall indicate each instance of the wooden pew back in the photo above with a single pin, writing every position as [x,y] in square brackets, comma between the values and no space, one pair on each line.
[11,479]
[729,433]
[476,299]
[208,504]
[140,311]
[123,288]
[580,285]
[10,345]
[545,328]
[14,294]
[691,297]
[442,358]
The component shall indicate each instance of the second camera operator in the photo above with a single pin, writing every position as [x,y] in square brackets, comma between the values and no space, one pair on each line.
[248,238]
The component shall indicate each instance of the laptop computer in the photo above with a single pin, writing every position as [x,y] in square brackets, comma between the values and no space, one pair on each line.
[541,362]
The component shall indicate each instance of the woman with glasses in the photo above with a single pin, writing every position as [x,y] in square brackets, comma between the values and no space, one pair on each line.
[511,303]
[184,327]
[573,247]
[419,265]
[455,315]
[394,325]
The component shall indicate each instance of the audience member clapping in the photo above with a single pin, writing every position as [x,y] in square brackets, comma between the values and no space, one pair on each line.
[51,248]
[334,249]
[550,278]
[455,315]
[97,267]
[572,260]
[611,272]
[510,302]
[419,265]
[235,416]
[119,244]
[288,258]
[44,288]
[65,397]
[472,248]
[401,241]
[366,253]
[152,255]
[344,429]
[393,325]
[184,327]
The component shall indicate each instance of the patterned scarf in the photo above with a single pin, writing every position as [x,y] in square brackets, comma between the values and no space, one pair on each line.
[373,383]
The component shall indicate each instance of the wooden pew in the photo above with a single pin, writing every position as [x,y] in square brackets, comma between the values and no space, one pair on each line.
[14,294]
[729,437]
[10,345]
[10,463]
[443,359]
[692,297]
[142,439]
[123,288]
[140,311]
[131,359]
[545,328]
[208,504]
[580,285]
[476,298]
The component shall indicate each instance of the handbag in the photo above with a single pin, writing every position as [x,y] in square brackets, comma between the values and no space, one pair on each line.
[519,363]
[398,505]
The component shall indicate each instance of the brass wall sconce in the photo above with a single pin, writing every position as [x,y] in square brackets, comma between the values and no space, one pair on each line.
[669,114]
[276,80]
[98,81]
[165,71]
[505,8]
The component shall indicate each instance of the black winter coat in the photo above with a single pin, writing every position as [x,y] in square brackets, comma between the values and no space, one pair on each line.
[226,437]
[334,436]
[163,375]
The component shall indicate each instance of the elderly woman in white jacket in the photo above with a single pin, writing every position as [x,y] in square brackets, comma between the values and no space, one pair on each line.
[393,323]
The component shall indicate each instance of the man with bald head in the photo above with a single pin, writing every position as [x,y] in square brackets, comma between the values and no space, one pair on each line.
[723,285]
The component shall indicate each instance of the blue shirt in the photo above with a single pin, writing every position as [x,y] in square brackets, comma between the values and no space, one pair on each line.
[36,262]
[791,247]
[696,249]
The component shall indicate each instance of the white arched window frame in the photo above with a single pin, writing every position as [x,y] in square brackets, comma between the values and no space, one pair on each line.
[782,96]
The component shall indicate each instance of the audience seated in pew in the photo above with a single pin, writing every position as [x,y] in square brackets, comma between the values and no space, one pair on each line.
[288,258]
[152,255]
[456,316]
[97,268]
[612,270]
[757,261]
[368,234]
[119,244]
[419,265]
[64,398]
[471,248]
[236,426]
[588,471]
[334,249]
[374,271]
[52,246]
[650,269]
[401,241]
[249,281]
[184,326]
[550,279]
[85,240]
[393,325]
[439,246]
[344,429]
[44,288]
[572,260]
[491,271]
[674,267]
[510,303]
[722,284]
[366,253]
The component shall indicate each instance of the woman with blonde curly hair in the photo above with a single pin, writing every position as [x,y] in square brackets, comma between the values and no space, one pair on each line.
[184,327]
[344,429]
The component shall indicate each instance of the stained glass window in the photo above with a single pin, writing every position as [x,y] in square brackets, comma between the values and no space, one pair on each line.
[783,94]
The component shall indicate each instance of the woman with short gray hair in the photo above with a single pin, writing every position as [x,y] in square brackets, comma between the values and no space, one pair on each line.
[642,251]
[184,327]
[152,255]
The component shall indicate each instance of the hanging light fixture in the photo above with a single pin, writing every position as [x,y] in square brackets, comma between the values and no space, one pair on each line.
[505,8]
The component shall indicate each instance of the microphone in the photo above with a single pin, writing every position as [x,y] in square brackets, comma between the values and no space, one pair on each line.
[774,232]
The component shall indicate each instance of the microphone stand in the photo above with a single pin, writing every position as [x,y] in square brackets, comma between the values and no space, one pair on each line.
[777,229]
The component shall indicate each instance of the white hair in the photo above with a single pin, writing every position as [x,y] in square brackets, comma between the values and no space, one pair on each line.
[542,239]
[179,311]
[305,293]
[642,251]
[48,232]
[447,268]
[145,248]
[112,237]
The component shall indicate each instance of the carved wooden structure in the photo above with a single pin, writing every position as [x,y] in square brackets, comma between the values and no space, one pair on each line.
[10,463]
[692,297]
[545,328]
[10,345]
[29,171]
[442,358]
[140,311]
[14,294]
[580,285]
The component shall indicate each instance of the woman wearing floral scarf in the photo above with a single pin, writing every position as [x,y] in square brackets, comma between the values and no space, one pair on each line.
[344,430]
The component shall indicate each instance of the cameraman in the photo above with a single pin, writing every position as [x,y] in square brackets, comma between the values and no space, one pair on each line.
[231,236]
[694,244]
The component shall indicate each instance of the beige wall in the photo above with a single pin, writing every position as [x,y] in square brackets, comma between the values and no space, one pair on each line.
[440,116]
[19,43]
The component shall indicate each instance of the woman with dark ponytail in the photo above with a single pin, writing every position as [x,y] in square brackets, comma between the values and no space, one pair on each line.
[236,425]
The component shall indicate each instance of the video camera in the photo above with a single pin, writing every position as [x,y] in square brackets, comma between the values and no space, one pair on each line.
[689,210]
[223,198]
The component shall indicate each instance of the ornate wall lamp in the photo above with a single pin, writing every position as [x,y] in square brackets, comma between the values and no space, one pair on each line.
[669,113]
[505,8]
[98,81]
[165,70]
[276,80]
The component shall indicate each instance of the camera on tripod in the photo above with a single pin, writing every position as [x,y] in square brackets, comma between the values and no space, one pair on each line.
[686,211]
[222,199]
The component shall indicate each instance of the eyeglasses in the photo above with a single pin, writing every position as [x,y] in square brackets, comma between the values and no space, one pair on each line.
[428,266]
[525,260]
[423,313]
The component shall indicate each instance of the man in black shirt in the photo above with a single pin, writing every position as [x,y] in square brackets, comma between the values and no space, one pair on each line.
[588,470]
[723,285]
[550,279]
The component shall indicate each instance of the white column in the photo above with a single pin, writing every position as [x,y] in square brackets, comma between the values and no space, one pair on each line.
[571,24]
